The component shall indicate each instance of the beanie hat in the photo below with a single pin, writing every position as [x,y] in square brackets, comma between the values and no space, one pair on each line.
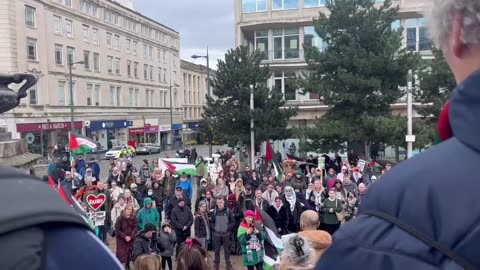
[249,213]
[149,227]
[180,200]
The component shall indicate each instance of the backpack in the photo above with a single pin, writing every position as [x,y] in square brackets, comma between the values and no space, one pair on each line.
[215,212]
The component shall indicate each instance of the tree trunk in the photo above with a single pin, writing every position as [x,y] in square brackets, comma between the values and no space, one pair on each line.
[397,154]
[366,147]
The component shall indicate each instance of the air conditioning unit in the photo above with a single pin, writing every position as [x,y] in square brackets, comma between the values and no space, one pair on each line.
[87,123]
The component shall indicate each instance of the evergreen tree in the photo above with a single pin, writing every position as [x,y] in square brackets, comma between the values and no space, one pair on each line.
[227,116]
[358,74]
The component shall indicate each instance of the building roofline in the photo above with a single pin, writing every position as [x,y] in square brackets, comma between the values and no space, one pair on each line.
[141,15]
[186,65]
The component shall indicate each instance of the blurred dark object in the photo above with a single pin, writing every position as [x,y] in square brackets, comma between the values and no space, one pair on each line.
[10,99]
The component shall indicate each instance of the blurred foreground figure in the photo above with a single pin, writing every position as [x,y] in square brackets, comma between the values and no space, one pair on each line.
[39,230]
[420,217]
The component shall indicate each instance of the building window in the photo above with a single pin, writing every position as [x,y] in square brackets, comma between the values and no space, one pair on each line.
[70,55]
[116,42]
[89,94]
[58,54]
[164,75]
[95,36]
[396,25]
[314,3]
[134,49]
[136,97]
[127,45]
[147,98]
[261,43]
[164,57]
[97,95]
[109,40]
[145,72]
[33,95]
[88,8]
[311,39]
[110,16]
[30,16]
[57,25]
[110,64]
[96,62]
[159,74]
[129,68]
[159,55]
[174,77]
[118,96]
[284,4]
[417,35]
[165,99]
[61,93]
[145,51]
[86,60]
[282,85]
[150,52]
[117,66]
[130,97]
[69,28]
[254,6]
[135,70]
[174,99]
[151,73]
[112,95]
[86,33]
[32,49]
[286,43]
[68,3]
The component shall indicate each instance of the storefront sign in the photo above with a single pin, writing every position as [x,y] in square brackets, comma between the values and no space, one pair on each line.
[177,126]
[165,128]
[140,131]
[193,125]
[32,127]
[110,124]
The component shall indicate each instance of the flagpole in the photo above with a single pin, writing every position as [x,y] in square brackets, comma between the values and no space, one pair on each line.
[252,132]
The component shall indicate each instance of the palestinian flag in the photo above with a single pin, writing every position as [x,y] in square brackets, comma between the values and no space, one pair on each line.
[79,144]
[376,167]
[269,160]
[292,157]
[178,168]
[273,243]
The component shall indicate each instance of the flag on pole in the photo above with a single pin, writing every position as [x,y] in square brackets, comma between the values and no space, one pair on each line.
[51,182]
[268,152]
[169,166]
[178,168]
[273,243]
[376,167]
[79,144]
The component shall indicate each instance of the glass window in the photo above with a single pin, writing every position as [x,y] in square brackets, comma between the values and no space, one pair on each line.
[130,97]
[150,52]
[31,49]
[89,94]
[135,97]
[284,4]
[116,42]
[68,3]
[151,73]
[96,62]
[110,64]
[261,43]
[128,42]
[97,95]
[69,28]
[30,16]
[118,96]
[286,43]
[134,48]
[311,39]
[70,55]
[424,40]
[135,69]
[396,25]
[145,72]
[61,93]
[254,6]
[145,51]
[159,74]
[58,54]
[164,75]
[109,40]
[86,33]
[412,39]
[86,60]
[33,95]
[117,66]
[147,97]
[112,95]
[57,25]
[281,85]
[129,68]
[314,3]
[95,37]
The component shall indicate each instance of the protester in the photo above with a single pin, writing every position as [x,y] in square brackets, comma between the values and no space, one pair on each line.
[115,191]
[158,197]
[186,185]
[220,190]
[331,206]
[126,230]
[270,194]
[279,215]
[129,199]
[116,176]
[148,215]
[173,202]
[202,225]
[294,209]
[117,209]
[192,256]
[222,223]
[260,203]
[181,221]
[167,240]
[145,244]
[250,235]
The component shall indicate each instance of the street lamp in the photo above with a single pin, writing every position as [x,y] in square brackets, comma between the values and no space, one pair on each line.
[70,65]
[210,151]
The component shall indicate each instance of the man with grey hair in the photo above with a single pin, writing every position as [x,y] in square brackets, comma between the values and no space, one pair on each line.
[405,222]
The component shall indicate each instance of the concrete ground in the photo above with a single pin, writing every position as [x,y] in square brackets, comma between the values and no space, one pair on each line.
[137,162]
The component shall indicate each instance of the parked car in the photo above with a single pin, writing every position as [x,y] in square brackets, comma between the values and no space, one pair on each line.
[147,148]
[117,151]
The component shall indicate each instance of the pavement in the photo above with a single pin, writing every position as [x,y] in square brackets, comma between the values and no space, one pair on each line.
[202,150]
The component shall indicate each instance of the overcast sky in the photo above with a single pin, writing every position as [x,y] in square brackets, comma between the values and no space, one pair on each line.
[199,22]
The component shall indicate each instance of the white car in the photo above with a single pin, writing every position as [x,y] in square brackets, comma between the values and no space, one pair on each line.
[116,151]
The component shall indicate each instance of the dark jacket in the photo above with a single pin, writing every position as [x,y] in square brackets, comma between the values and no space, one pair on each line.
[123,228]
[201,227]
[222,221]
[368,241]
[173,202]
[279,217]
[167,242]
[181,217]
[141,246]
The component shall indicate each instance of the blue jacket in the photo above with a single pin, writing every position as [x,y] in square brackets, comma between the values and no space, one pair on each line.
[186,186]
[420,192]
[95,169]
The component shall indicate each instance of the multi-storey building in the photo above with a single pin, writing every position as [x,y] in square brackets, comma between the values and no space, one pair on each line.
[120,91]
[194,97]
[282,28]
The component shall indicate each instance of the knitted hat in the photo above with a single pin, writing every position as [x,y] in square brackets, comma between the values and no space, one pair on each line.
[149,227]
[249,213]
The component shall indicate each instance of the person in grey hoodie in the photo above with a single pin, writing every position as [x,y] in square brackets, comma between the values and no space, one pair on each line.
[167,240]
[349,185]
[222,223]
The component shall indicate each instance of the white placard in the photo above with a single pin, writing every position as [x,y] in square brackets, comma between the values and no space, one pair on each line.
[361,164]
[97,218]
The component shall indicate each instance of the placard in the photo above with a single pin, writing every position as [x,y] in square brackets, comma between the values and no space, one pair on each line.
[98,218]
[361,164]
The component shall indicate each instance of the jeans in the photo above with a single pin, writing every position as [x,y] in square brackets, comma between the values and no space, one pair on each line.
[203,240]
[180,240]
[102,233]
[223,240]
[167,260]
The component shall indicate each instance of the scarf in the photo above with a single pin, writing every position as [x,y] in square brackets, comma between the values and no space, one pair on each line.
[292,198]
[207,225]
[318,198]
[279,207]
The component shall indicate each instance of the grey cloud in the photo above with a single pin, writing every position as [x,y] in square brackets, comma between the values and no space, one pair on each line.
[201,23]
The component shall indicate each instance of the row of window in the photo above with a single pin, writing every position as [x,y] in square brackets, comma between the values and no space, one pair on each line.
[112,17]
[249,6]
[192,113]
[192,92]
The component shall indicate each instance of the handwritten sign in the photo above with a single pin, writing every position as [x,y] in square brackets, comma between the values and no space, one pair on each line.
[97,218]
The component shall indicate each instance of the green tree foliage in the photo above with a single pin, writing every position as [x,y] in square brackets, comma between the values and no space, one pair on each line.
[436,85]
[359,73]
[227,116]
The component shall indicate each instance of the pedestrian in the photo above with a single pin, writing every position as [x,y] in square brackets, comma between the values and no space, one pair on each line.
[186,185]
[148,214]
[181,221]
[331,206]
[158,197]
[129,199]
[251,235]
[279,215]
[201,169]
[202,224]
[167,240]
[126,229]
[222,223]
[117,209]
[116,176]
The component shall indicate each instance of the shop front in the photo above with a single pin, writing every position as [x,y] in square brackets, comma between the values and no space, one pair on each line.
[177,134]
[43,137]
[191,133]
[147,134]
[109,133]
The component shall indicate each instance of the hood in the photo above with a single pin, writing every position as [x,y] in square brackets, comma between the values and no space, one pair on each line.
[147,200]
[203,181]
[165,224]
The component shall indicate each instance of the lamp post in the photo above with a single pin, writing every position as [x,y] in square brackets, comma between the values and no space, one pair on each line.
[410,138]
[70,65]
[210,151]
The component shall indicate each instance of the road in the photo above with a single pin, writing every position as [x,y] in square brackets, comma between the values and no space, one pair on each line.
[202,150]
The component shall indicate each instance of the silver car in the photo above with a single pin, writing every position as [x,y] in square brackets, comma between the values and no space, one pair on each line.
[147,148]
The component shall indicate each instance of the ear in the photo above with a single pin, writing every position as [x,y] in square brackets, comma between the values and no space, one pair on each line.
[456,42]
